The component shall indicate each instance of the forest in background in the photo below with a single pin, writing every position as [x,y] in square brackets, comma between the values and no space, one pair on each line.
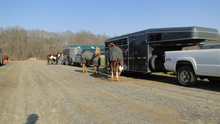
[21,44]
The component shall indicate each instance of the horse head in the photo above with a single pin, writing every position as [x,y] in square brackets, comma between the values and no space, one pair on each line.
[97,52]
[60,55]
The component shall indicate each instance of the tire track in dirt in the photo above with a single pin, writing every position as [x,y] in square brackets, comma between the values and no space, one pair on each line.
[11,95]
[130,105]
[48,108]
[178,97]
[62,94]
[72,100]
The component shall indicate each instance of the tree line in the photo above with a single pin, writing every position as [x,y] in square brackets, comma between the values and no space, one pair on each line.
[21,44]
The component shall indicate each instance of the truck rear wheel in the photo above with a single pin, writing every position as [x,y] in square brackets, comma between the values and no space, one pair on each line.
[186,76]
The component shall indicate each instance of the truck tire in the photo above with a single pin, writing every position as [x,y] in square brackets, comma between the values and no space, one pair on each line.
[156,63]
[186,76]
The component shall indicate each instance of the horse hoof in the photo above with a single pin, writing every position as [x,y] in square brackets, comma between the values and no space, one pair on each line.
[96,72]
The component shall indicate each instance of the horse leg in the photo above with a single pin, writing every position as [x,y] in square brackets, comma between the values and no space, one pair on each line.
[83,68]
[48,61]
[86,68]
[116,69]
[95,69]
[56,61]
[111,68]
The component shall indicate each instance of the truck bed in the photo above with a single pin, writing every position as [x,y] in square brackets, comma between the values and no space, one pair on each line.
[205,61]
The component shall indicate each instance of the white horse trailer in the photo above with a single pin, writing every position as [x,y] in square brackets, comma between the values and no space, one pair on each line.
[69,53]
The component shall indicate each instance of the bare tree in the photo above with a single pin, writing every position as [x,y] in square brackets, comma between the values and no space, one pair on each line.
[21,44]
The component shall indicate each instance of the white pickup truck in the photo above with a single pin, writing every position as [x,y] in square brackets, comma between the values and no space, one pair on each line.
[190,64]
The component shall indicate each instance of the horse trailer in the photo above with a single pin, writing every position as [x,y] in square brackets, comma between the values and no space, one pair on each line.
[69,53]
[143,51]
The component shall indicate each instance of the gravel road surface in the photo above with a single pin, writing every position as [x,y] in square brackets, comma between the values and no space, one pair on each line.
[32,92]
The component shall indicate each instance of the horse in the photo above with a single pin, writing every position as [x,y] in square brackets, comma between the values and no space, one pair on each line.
[89,58]
[53,58]
[5,58]
[115,60]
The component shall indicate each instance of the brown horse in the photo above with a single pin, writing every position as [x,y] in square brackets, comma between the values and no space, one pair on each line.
[5,58]
[53,59]
[115,58]
[89,58]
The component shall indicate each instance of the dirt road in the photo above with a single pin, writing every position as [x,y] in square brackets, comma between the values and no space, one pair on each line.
[34,92]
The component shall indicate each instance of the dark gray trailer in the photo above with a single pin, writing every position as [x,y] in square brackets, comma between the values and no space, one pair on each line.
[143,51]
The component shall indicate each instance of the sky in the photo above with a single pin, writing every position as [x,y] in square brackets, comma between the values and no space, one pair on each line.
[108,17]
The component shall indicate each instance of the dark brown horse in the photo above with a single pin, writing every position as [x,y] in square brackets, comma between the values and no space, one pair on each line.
[115,58]
[53,59]
[5,58]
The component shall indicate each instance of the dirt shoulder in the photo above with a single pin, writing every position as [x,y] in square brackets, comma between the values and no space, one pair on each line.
[34,92]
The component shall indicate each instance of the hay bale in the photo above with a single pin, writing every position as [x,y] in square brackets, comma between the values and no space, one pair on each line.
[33,58]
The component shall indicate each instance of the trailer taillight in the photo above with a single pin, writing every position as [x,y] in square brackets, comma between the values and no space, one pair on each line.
[196,43]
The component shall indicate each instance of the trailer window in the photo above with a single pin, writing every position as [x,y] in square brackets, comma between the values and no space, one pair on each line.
[155,37]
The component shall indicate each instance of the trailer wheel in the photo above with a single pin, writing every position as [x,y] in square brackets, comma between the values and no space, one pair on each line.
[186,76]
[156,63]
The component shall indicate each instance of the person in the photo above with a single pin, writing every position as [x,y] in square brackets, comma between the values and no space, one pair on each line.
[67,60]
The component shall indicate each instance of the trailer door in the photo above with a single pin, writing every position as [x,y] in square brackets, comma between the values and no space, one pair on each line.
[131,53]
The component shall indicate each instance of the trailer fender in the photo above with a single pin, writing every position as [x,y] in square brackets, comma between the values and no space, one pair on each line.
[155,63]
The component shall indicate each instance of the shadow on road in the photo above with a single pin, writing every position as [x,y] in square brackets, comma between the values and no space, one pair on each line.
[171,79]
[100,76]
[2,64]
[159,77]
[32,118]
